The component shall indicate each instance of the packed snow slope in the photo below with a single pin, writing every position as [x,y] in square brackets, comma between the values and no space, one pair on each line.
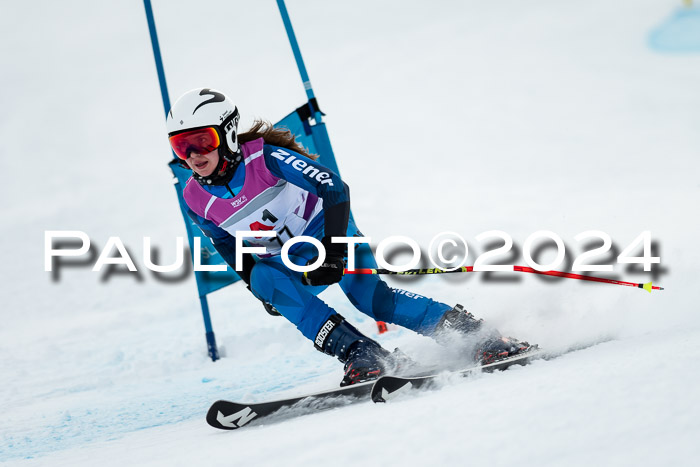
[460,116]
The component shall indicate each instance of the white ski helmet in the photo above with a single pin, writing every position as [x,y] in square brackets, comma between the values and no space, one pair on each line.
[202,108]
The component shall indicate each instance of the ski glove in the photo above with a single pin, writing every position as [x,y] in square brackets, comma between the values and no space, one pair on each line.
[332,269]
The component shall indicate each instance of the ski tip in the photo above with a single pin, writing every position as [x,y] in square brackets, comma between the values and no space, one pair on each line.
[212,415]
[647,287]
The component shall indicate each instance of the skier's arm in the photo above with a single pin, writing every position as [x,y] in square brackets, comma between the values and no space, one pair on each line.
[317,179]
[225,244]
[326,184]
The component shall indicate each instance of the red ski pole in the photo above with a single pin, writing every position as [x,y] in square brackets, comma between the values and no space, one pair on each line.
[412,272]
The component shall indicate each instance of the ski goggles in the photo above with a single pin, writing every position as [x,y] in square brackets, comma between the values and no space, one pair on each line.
[201,141]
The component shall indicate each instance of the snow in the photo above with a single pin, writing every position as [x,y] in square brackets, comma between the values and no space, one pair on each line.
[533,115]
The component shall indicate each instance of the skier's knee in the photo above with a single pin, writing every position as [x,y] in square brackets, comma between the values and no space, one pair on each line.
[383,302]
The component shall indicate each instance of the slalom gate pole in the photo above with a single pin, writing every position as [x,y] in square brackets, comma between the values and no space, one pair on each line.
[212,349]
[156,55]
[321,138]
[297,56]
[413,272]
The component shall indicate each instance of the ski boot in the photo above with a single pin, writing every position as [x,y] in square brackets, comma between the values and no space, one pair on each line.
[499,348]
[364,359]
[367,361]
[488,344]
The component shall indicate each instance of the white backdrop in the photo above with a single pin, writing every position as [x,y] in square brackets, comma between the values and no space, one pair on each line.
[459,116]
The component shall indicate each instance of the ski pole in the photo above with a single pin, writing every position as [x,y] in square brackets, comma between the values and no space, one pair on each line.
[412,272]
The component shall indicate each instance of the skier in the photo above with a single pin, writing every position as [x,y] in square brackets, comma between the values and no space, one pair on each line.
[263,180]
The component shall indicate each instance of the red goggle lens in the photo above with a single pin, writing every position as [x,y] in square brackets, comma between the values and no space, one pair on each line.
[201,141]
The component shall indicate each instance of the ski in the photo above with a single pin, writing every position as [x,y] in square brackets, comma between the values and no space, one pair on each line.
[227,415]
[388,387]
